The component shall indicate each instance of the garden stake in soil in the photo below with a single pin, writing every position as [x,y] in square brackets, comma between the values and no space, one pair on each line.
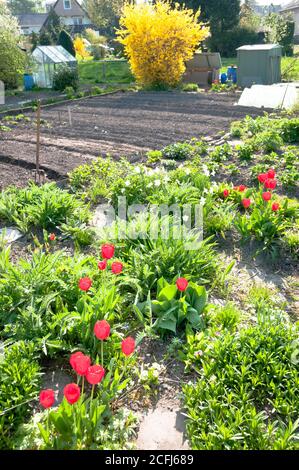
[39,174]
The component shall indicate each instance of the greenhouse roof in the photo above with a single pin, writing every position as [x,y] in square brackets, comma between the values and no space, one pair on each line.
[56,54]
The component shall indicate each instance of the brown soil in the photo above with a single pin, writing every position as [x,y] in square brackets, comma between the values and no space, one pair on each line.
[122,124]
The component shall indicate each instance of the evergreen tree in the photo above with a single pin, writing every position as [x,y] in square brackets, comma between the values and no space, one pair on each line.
[52,27]
[66,41]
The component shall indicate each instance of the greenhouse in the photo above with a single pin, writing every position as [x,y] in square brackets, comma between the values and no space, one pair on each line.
[48,59]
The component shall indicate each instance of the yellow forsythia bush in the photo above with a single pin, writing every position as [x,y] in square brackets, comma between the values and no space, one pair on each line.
[158,39]
[80,49]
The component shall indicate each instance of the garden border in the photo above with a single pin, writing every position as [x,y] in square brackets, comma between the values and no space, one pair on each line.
[27,109]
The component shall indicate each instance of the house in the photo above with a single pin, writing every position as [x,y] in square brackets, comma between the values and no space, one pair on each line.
[31,22]
[293,9]
[71,14]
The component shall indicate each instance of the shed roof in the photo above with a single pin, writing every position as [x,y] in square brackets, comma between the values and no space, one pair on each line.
[56,54]
[291,6]
[32,19]
[259,47]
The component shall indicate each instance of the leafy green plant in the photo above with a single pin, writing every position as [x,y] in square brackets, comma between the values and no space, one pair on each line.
[19,381]
[178,151]
[245,397]
[190,87]
[46,207]
[172,310]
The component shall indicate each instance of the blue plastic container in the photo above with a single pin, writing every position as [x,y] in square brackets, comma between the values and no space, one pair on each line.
[28,82]
[223,78]
[232,74]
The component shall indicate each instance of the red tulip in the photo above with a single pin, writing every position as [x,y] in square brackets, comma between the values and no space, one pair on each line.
[85,283]
[102,329]
[271,174]
[266,196]
[102,265]
[47,398]
[226,193]
[182,284]
[52,237]
[275,206]
[74,357]
[270,183]
[71,393]
[128,346]
[246,203]
[242,188]
[262,177]
[95,374]
[81,364]
[116,267]
[107,251]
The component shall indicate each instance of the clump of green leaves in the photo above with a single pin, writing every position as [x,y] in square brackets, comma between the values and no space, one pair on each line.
[46,207]
[246,395]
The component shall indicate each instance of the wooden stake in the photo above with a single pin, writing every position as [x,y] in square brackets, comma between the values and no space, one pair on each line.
[37,178]
[59,117]
[70,116]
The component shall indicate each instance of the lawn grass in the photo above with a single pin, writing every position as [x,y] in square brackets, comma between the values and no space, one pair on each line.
[92,72]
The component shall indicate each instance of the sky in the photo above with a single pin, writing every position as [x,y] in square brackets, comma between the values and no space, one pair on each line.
[275,2]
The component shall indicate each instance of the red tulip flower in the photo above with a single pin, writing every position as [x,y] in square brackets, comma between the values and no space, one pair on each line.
[271,174]
[270,183]
[95,374]
[102,265]
[246,203]
[116,267]
[242,188]
[74,357]
[128,346]
[262,177]
[107,251]
[226,193]
[47,398]
[275,206]
[52,237]
[71,393]
[266,196]
[182,284]
[102,329]
[85,283]
[81,364]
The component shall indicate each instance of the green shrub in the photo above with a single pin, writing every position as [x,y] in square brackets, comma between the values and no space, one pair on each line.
[46,207]
[178,151]
[246,396]
[70,92]
[64,77]
[19,382]
[268,141]
[189,87]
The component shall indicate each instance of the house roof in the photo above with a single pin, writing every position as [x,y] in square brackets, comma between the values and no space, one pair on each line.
[291,5]
[32,19]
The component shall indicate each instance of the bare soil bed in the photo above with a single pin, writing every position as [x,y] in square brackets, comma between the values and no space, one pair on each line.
[121,124]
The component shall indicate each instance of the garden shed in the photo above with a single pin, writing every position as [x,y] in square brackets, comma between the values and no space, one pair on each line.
[259,64]
[48,59]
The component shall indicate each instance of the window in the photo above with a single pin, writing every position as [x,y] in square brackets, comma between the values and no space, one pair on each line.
[67,4]
[77,20]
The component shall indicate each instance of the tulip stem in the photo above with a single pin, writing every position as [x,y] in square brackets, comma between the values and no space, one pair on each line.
[91,398]
[102,352]
[48,422]
[82,384]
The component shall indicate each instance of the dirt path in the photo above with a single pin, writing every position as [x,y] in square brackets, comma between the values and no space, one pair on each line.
[122,124]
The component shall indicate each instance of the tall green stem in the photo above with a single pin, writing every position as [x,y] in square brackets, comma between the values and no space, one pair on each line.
[82,385]
[102,353]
